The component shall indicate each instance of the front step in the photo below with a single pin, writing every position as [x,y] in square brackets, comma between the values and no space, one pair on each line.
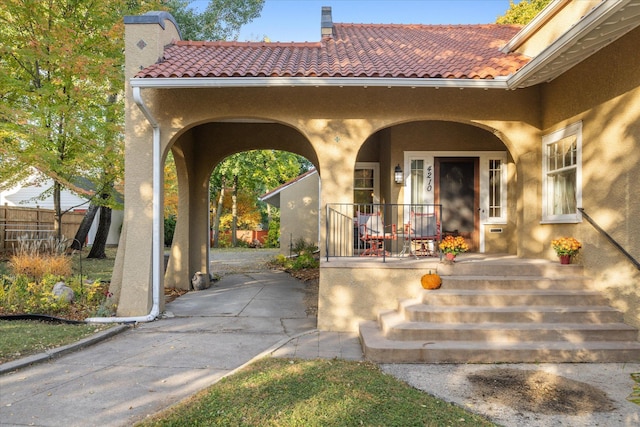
[510,332]
[416,312]
[379,349]
[538,312]
[505,298]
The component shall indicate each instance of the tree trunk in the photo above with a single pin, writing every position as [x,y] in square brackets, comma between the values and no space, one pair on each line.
[216,222]
[100,242]
[57,207]
[85,226]
[234,212]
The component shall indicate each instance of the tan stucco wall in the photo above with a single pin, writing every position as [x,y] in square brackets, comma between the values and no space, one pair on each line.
[349,296]
[131,281]
[604,92]
[299,213]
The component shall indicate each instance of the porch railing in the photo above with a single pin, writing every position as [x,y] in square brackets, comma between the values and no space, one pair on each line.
[382,230]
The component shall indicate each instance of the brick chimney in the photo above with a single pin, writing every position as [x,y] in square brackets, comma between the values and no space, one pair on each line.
[326,23]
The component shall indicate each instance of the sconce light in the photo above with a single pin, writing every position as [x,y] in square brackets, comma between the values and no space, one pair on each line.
[398,175]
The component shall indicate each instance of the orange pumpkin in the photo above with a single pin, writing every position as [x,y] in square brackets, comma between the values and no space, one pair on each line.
[431,281]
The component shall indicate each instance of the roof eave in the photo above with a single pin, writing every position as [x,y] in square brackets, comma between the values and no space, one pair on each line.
[538,21]
[238,82]
[529,75]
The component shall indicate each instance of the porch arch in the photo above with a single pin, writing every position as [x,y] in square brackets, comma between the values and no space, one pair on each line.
[389,146]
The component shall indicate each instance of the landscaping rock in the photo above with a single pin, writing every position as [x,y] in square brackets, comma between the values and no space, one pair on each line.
[200,281]
[63,292]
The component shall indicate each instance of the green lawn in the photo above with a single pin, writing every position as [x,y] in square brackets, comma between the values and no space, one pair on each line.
[284,392]
[20,338]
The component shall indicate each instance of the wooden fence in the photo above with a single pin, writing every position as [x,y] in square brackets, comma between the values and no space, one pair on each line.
[34,223]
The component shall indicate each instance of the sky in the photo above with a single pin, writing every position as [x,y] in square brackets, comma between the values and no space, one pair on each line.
[299,20]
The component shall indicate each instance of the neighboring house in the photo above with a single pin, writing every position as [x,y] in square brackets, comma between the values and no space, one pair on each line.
[299,204]
[29,194]
[512,130]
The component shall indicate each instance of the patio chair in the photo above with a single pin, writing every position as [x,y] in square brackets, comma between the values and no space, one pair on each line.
[371,230]
[422,234]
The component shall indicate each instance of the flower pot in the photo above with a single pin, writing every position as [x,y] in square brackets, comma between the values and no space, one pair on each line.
[449,256]
[565,259]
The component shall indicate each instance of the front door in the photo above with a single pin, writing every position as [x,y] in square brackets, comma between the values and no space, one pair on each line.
[457,190]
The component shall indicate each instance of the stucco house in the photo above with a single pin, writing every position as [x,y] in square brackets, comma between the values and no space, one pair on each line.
[299,204]
[513,136]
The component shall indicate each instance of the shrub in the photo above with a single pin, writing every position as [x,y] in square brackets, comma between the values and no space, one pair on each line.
[301,246]
[273,236]
[36,258]
[34,269]
[169,229]
[305,260]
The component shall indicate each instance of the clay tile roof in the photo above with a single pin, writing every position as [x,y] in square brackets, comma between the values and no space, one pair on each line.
[355,50]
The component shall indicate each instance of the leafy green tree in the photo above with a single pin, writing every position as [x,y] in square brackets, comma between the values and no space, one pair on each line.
[61,80]
[61,86]
[220,20]
[250,173]
[522,12]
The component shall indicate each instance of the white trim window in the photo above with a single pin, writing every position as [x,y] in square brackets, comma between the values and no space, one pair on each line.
[366,183]
[562,175]
[497,190]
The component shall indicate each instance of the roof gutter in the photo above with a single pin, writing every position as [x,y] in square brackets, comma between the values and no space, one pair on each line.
[235,82]
[597,15]
[157,214]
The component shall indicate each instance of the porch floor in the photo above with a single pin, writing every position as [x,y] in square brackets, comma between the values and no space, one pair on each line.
[422,262]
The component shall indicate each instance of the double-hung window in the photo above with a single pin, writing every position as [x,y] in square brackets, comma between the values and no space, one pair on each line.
[562,175]
[366,185]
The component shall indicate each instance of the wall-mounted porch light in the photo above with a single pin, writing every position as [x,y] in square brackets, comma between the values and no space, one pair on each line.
[398,175]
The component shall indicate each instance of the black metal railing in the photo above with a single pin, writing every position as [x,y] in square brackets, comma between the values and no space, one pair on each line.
[382,230]
[610,238]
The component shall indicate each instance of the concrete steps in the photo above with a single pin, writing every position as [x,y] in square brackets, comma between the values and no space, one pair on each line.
[543,312]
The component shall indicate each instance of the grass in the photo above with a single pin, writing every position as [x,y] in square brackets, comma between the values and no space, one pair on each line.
[22,338]
[635,395]
[94,269]
[285,392]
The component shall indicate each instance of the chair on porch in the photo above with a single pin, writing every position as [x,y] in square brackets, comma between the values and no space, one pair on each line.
[371,230]
[422,234]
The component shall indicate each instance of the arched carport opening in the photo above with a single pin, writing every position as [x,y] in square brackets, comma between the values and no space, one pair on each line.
[196,152]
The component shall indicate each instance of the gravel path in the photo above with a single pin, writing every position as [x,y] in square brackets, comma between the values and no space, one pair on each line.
[236,261]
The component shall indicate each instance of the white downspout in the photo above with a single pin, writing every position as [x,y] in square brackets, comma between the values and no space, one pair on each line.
[157,214]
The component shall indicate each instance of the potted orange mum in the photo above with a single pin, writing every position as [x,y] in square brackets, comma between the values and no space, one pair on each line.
[452,246]
[565,248]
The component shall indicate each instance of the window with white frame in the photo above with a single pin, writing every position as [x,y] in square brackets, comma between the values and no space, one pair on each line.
[418,196]
[496,189]
[562,174]
[366,183]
